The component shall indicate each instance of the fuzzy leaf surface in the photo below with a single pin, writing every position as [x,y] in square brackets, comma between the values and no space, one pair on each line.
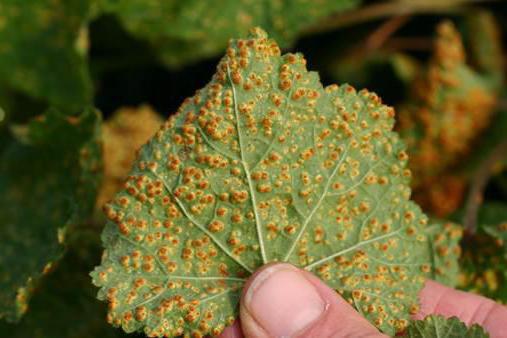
[42,50]
[190,30]
[55,158]
[263,164]
[440,327]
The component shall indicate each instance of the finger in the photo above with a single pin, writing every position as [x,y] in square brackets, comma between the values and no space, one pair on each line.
[233,331]
[469,308]
[280,300]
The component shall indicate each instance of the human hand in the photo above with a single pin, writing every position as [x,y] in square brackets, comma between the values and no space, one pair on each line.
[280,300]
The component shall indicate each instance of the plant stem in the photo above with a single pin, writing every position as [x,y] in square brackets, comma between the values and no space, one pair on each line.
[388,9]
[478,184]
[376,39]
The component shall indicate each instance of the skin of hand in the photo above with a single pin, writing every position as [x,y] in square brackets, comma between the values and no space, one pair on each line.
[280,300]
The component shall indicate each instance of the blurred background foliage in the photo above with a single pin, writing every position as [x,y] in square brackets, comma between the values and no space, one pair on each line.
[84,83]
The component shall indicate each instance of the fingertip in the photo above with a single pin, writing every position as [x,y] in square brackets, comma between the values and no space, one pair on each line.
[233,331]
[282,300]
[429,296]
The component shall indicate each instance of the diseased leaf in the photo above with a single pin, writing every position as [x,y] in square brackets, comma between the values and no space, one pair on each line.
[263,164]
[484,261]
[443,194]
[445,251]
[55,158]
[42,50]
[483,267]
[440,327]
[123,135]
[185,31]
[451,104]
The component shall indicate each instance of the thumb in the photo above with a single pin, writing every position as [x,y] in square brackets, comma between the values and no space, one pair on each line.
[280,300]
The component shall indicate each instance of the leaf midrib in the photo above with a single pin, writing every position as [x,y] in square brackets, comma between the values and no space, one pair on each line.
[253,200]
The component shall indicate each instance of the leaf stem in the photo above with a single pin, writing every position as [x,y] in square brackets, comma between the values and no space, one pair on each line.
[387,9]
[478,184]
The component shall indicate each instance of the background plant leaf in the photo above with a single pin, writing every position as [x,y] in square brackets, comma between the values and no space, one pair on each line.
[483,37]
[43,46]
[451,104]
[200,29]
[54,158]
[68,295]
[484,260]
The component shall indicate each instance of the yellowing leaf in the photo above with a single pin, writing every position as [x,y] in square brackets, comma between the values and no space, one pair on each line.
[263,164]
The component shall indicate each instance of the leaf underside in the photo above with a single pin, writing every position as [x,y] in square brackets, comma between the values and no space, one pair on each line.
[440,327]
[263,164]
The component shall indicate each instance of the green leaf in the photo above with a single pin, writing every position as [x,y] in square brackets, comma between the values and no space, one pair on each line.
[443,240]
[484,267]
[63,306]
[43,46]
[486,145]
[185,31]
[493,219]
[263,164]
[42,178]
[440,327]
[484,37]
[362,69]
